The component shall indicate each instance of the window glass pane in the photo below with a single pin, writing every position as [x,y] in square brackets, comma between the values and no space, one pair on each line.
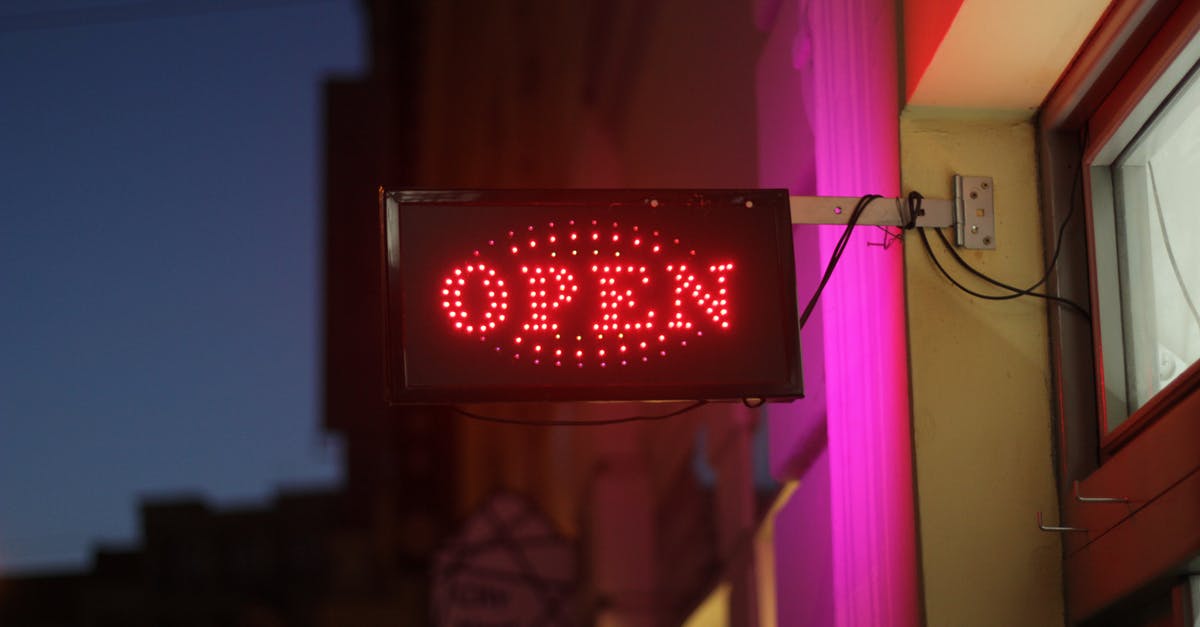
[1157,196]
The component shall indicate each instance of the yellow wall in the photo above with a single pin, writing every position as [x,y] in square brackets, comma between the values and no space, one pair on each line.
[713,611]
[981,387]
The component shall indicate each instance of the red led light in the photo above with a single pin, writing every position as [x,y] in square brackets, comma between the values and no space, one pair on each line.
[613,314]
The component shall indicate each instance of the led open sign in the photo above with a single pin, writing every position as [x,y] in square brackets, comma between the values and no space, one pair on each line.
[590,295]
[635,302]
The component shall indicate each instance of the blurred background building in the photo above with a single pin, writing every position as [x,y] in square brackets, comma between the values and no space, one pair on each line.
[548,95]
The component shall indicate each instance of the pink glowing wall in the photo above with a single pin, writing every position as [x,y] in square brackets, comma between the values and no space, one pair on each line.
[829,75]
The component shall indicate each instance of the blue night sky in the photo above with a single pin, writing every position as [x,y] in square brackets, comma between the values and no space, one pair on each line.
[159,257]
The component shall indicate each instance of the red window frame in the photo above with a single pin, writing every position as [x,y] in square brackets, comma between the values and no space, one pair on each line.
[1130,551]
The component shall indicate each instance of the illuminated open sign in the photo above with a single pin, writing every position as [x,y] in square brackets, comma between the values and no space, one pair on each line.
[590,295]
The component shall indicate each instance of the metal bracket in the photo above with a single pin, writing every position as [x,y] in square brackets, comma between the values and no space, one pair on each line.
[1097,499]
[971,211]
[879,212]
[974,212]
[1056,528]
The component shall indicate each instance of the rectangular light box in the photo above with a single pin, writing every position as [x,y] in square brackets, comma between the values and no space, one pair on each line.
[589,295]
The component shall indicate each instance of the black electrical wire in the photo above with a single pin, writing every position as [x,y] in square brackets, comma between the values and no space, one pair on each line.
[1016,291]
[1015,294]
[1062,229]
[1162,225]
[576,423]
[837,253]
[914,211]
[934,259]
[914,200]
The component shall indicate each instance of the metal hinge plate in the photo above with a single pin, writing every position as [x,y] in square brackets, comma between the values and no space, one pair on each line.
[975,218]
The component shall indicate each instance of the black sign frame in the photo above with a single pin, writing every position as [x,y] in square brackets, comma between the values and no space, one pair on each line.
[756,219]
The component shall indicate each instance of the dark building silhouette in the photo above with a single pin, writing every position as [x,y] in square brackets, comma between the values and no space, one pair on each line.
[528,94]
[307,558]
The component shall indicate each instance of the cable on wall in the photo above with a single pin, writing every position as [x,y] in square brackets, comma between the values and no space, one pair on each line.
[914,201]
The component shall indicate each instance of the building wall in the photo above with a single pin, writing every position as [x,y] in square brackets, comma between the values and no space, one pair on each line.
[981,387]
[981,384]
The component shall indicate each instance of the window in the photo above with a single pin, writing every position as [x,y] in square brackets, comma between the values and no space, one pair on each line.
[1146,217]
[1120,147]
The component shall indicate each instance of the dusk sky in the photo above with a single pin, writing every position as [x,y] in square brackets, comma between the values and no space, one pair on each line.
[159,212]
